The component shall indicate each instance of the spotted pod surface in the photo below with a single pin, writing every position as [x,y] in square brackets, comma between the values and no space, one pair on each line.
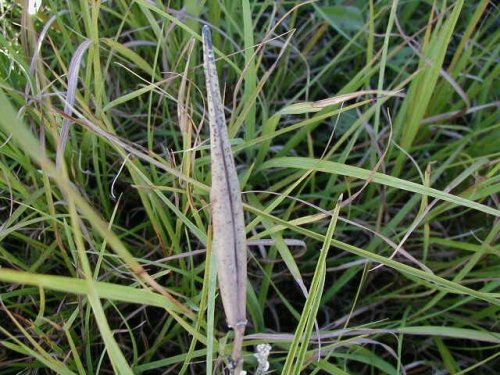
[229,240]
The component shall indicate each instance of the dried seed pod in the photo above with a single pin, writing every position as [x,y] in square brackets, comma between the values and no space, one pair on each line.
[229,241]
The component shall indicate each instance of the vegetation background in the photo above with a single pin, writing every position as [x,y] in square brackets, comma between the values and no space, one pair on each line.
[104,179]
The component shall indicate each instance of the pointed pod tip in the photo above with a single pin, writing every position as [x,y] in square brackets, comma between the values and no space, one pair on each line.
[207,35]
[206,32]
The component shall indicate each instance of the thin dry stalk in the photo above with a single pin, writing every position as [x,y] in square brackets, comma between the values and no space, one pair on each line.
[229,241]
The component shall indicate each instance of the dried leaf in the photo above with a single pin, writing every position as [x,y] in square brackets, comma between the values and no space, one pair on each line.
[229,241]
[308,107]
[74,69]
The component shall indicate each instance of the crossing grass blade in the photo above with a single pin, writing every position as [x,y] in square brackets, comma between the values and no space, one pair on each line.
[351,171]
[301,340]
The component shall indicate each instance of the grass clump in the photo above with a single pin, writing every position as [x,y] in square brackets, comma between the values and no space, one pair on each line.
[106,263]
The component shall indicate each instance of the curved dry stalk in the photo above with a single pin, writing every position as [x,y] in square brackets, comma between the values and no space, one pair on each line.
[229,241]
[69,101]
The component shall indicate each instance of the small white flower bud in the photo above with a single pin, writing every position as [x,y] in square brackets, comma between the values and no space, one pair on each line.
[262,353]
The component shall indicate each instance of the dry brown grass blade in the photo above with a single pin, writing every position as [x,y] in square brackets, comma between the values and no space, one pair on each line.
[229,241]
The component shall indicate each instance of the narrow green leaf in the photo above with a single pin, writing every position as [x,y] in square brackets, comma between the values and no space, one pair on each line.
[364,174]
[300,343]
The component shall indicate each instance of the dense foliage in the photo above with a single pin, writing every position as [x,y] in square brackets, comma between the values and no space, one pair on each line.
[105,173]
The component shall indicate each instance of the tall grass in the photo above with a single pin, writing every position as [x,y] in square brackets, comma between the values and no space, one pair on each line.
[385,110]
